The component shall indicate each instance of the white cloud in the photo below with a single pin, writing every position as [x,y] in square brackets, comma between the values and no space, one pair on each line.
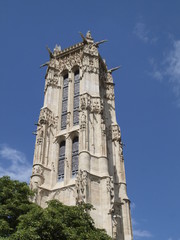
[169,70]
[170,238]
[141,31]
[137,232]
[141,233]
[156,73]
[134,223]
[133,205]
[173,69]
[14,164]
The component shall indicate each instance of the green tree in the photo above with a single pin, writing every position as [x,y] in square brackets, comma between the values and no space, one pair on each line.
[14,202]
[58,221]
[22,220]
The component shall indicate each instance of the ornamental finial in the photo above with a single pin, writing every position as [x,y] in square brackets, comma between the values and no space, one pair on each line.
[57,49]
[88,35]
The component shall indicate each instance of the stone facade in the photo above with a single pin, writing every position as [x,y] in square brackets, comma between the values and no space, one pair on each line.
[78,153]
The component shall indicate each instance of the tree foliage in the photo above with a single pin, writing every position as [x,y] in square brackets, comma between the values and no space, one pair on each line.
[14,202]
[21,219]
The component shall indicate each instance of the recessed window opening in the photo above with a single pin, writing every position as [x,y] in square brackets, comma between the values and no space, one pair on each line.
[64,102]
[75,156]
[76,98]
[61,161]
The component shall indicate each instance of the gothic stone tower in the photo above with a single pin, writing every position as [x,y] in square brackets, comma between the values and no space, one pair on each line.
[78,153]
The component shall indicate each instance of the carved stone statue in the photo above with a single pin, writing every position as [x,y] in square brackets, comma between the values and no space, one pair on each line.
[80,186]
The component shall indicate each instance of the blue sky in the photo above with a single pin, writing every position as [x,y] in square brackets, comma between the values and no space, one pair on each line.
[144,38]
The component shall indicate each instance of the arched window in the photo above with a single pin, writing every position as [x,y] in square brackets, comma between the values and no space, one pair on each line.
[75,156]
[76,99]
[64,102]
[61,161]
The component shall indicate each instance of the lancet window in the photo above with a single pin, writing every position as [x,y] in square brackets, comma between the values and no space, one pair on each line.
[75,156]
[64,102]
[61,161]
[76,99]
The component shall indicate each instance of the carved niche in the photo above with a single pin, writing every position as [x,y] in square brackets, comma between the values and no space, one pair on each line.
[85,102]
[110,190]
[52,79]
[116,134]
[114,207]
[103,126]
[93,104]
[80,187]
[96,106]
[38,170]
[116,216]
[46,117]
[110,91]
[35,183]
[114,227]
[83,121]
[90,64]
